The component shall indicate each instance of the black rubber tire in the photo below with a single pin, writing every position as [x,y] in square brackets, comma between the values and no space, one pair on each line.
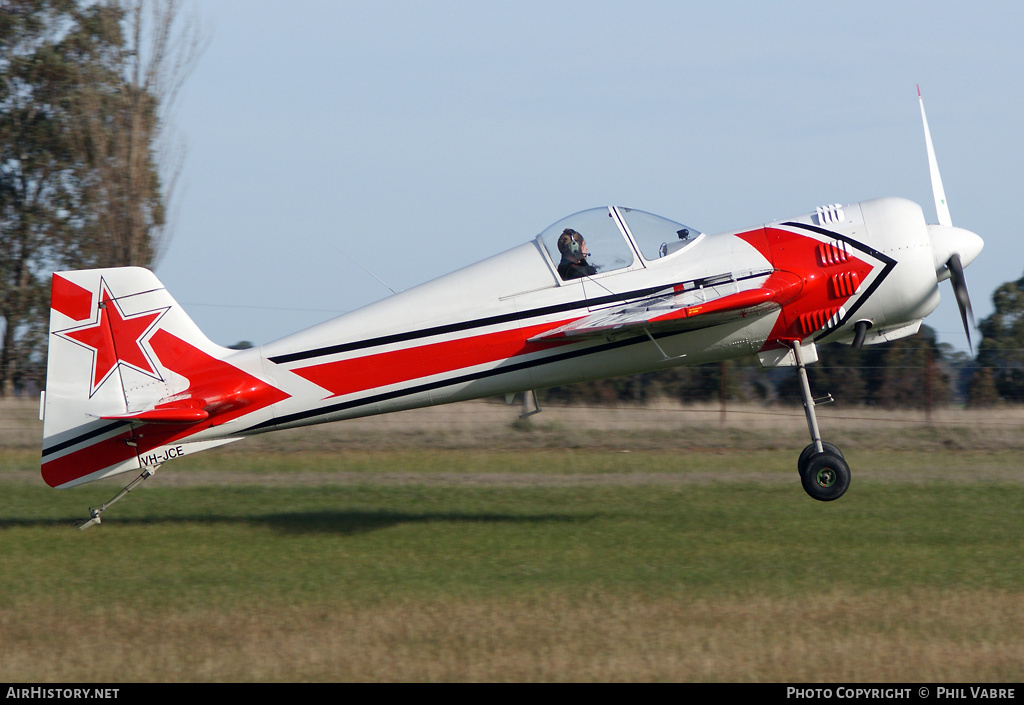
[826,477]
[806,453]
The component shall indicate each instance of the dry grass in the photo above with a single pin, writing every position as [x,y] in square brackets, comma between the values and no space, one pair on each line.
[926,637]
[962,632]
[665,426]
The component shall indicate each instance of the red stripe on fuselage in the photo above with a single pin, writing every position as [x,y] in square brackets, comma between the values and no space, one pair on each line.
[382,369]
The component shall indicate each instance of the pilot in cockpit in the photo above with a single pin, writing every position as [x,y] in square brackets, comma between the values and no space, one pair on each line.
[574,256]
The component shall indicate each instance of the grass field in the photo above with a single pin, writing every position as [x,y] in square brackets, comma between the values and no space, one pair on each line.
[584,545]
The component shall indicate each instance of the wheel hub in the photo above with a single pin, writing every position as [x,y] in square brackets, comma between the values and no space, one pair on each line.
[826,477]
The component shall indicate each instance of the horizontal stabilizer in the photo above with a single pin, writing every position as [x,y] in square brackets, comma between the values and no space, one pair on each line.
[163,416]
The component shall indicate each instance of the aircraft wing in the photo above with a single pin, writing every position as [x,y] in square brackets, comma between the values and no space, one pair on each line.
[680,311]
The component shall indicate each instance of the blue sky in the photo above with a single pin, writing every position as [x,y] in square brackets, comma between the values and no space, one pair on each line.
[417,137]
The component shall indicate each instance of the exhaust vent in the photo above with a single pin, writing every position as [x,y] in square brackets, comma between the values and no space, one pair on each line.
[831,214]
[844,285]
[832,253]
[816,320]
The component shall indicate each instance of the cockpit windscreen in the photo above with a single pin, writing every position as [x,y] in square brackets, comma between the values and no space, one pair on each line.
[656,236]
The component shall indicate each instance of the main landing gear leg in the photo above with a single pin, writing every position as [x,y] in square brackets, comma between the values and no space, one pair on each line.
[95,512]
[823,469]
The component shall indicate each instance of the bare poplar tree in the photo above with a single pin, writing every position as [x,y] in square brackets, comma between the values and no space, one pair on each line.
[122,129]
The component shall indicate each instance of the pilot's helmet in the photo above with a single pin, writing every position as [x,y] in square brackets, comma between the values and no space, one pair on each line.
[570,244]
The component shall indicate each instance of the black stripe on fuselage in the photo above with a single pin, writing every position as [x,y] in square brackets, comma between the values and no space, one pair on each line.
[439,384]
[99,431]
[888,261]
[497,320]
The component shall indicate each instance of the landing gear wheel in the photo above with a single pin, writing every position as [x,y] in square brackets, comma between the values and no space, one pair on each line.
[826,476]
[806,453]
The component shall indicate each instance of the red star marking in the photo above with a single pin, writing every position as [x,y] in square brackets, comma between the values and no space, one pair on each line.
[115,339]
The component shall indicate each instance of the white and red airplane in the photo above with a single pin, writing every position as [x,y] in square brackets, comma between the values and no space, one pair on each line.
[133,383]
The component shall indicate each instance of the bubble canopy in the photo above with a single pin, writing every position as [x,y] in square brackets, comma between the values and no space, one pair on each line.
[617,237]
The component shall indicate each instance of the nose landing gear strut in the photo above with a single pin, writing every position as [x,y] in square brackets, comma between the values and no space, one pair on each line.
[823,469]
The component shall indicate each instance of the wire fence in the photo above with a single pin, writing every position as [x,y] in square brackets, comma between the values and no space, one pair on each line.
[493,422]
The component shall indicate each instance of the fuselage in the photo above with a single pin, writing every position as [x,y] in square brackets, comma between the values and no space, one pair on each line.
[132,382]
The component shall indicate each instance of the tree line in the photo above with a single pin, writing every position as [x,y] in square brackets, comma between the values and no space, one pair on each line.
[916,372]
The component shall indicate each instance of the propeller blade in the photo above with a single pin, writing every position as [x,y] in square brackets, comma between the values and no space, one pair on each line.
[963,300]
[941,208]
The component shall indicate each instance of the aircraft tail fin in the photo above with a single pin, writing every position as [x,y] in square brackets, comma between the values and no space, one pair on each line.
[131,380]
